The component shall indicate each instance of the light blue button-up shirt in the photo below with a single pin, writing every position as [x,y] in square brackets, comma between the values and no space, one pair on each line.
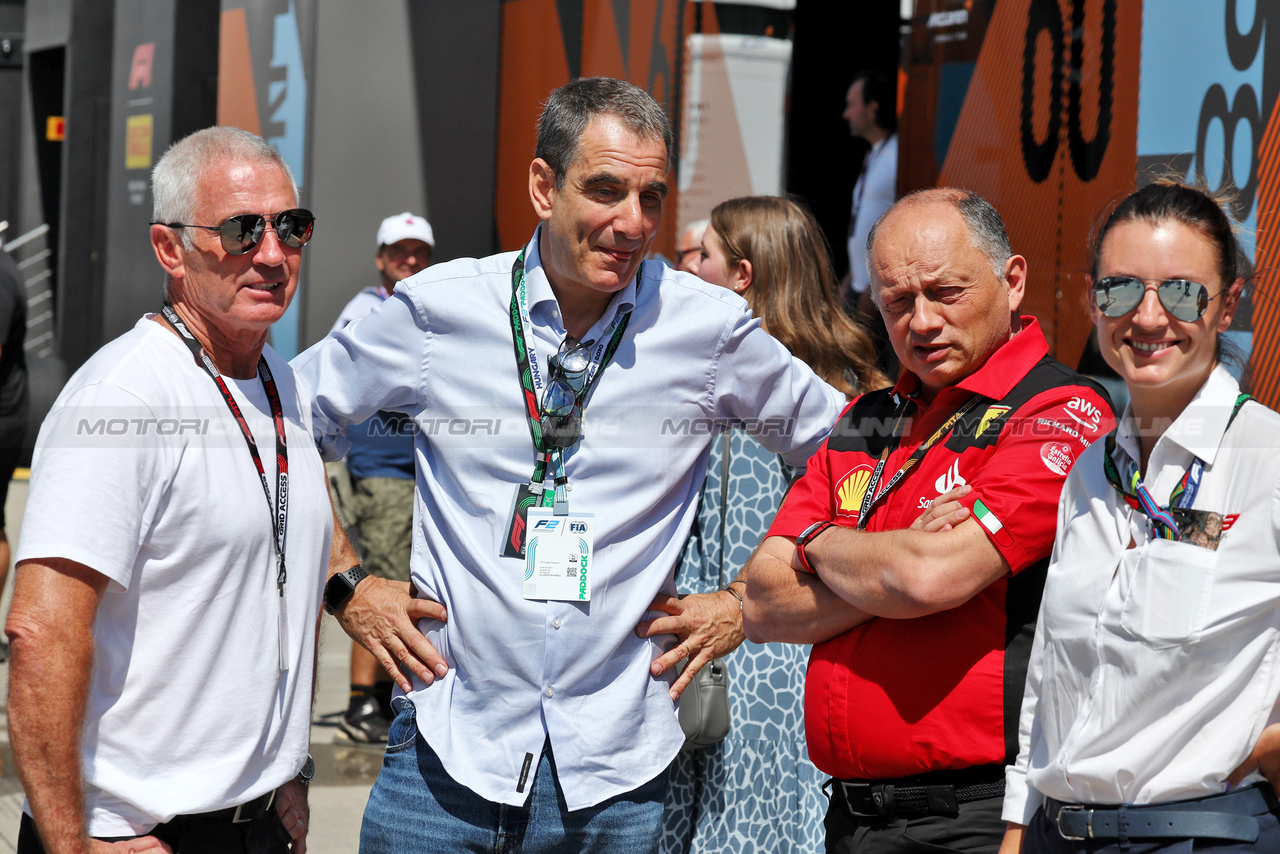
[692,360]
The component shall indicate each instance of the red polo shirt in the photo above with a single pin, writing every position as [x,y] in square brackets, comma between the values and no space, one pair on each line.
[896,698]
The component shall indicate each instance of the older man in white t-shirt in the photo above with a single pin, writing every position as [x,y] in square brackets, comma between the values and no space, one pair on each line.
[170,570]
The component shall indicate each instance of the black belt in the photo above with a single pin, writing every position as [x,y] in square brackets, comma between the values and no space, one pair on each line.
[936,793]
[1226,816]
[245,812]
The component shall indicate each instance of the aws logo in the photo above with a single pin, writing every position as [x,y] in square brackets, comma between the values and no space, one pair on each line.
[850,491]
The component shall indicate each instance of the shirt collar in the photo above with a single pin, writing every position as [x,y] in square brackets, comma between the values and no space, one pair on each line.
[542,297]
[1001,371]
[1199,428]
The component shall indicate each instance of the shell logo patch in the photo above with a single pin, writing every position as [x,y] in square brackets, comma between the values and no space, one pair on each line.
[851,490]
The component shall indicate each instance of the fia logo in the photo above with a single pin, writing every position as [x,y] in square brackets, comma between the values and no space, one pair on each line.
[547,525]
[950,479]
[577,527]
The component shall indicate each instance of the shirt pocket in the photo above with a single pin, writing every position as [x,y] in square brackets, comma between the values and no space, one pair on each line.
[1168,601]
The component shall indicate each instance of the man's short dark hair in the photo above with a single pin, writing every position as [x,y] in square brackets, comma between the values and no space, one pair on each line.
[883,89]
[571,108]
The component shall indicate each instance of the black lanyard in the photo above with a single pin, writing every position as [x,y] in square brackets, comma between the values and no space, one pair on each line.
[279,508]
[525,370]
[870,498]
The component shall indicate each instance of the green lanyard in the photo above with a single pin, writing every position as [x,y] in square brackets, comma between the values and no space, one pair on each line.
[527,366]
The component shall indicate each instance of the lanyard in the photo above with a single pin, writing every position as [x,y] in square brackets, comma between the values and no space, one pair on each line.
[278,509]
[531,380]
[870,498]
[1129,483]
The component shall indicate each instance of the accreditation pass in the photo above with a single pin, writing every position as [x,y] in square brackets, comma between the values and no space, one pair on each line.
[557,557]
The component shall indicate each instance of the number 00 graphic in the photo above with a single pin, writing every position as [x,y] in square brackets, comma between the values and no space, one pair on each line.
[1086,154]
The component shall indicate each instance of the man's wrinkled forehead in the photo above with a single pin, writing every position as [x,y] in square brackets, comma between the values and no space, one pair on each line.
[635,142]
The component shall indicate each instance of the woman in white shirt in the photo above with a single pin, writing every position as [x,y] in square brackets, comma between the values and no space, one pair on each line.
[1156,664]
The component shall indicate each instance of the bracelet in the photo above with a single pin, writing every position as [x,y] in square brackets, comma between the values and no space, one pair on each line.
[735,594]
[807,536]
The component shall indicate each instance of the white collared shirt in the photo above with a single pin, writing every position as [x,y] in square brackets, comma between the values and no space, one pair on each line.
[523,671]
[1155,668]
[874,193]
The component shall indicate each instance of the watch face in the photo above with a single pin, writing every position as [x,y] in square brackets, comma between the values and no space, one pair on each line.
[336,591]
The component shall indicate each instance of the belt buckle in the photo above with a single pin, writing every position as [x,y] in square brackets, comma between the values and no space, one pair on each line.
[235,817]
[1088,822]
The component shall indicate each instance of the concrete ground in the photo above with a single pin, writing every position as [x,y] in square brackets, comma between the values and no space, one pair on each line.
[344,773]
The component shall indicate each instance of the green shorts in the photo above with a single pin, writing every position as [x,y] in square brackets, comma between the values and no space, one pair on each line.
[380,509]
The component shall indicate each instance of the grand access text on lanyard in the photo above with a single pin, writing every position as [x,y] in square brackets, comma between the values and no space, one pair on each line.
[278,509]
[871,498]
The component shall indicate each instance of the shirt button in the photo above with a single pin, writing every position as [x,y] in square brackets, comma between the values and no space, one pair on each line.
[551,692]
[555,623]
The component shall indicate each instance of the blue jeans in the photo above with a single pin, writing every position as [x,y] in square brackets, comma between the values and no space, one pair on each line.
[415,806]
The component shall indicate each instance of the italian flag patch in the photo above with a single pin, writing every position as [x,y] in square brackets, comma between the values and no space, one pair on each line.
[994,526]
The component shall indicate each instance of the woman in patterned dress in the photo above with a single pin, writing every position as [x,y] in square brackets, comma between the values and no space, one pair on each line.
[757,791]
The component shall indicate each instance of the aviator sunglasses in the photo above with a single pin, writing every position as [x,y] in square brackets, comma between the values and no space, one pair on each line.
[241,233]
[561,410]
[1186,300]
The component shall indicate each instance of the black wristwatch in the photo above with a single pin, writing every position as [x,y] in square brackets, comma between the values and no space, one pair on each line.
[340,587]
[308,772]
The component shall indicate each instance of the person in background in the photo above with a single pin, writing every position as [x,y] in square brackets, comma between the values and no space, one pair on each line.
[377,504]
[13,394]
[757,791]
[1156,664]
[689,247]
[921,637]
[870,111]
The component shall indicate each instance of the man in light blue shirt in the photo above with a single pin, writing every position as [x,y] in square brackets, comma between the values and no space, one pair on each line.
[571,387]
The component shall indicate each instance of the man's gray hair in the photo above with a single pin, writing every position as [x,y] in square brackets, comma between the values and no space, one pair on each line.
[175,180]
[986,228]
[571,108]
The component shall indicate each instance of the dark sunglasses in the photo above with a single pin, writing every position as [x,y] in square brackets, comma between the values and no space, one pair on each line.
[1186,300]
[241,233]
[561,410]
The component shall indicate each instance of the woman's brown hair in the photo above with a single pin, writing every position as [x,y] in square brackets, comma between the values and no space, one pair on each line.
[794,290]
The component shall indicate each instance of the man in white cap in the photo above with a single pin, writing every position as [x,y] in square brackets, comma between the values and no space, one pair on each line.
[379,504]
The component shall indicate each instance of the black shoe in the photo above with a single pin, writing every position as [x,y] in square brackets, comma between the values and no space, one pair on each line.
[364,723]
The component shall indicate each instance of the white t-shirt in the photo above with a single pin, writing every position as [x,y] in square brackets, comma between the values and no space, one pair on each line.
[141,474]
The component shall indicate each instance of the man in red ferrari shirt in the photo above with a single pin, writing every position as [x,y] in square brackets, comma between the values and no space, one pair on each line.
[921,611]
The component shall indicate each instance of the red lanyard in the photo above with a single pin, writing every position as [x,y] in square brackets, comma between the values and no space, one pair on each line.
[279,508]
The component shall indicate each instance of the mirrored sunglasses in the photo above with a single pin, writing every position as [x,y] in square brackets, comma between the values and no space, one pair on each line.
[241,233]
[1186,300]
